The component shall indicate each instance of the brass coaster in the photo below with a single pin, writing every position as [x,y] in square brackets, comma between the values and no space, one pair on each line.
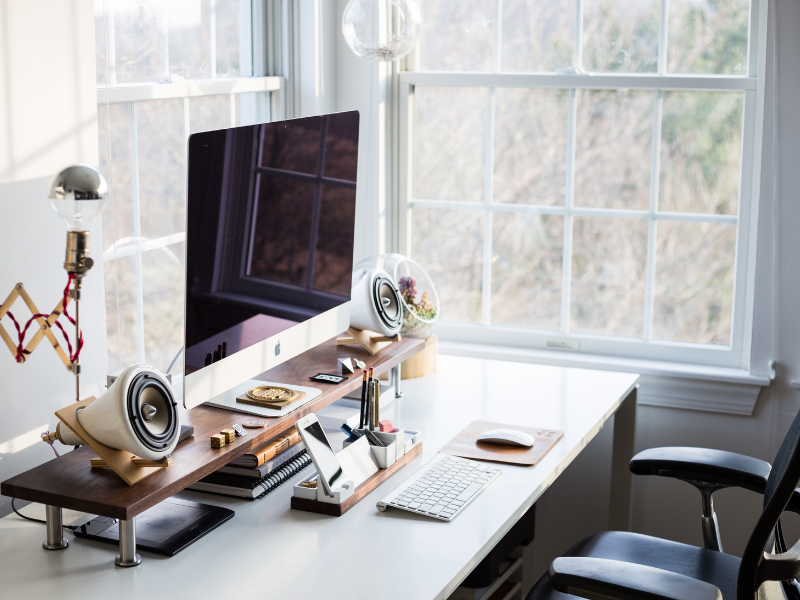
[270,396]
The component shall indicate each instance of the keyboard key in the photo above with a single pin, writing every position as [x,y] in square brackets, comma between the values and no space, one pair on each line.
[425,507]
[436,509]
[414,505]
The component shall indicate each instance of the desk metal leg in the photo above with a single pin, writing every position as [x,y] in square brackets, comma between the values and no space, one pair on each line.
[395,380]
[55,529]
[127,556]
[619,513]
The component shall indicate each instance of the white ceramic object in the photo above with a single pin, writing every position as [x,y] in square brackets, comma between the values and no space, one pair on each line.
[137,414]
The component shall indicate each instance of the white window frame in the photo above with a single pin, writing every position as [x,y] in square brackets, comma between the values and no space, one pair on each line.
[737,353]
[263,52]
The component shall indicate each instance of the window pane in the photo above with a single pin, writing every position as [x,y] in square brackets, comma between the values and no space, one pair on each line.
[537,34]
[115,165]
[608,276]
[209,113]
[708,36]
[526,270]
[530,146]
[163,282]
[121,322]
[613,145]
[621,36]
[162,167]
[456,36]
[701,152]
[190,43]
[140,41]
[155,40]
[227,38]
[100,46]
[449,246]
[449,143]
[694,282]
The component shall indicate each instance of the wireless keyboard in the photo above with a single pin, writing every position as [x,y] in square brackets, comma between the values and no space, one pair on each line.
[442,488]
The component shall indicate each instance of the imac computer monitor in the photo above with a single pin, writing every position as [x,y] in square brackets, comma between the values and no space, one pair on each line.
[269,246]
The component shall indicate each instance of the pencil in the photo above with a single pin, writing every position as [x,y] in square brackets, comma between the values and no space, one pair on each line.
[363,413]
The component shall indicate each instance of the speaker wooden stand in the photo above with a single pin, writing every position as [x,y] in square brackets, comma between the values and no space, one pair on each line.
[124,464]
[371,341]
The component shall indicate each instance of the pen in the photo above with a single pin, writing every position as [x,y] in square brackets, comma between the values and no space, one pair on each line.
[372,439]
[363,415]
[377,414]
[371,412]
[368,414]
[350,431]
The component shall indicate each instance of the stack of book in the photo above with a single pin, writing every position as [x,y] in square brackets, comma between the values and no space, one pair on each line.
[256,474]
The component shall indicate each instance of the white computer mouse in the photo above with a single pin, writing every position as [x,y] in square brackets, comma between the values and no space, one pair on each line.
[506,437]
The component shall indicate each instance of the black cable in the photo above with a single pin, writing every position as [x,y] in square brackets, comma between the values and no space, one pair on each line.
[14,508]
[19,514]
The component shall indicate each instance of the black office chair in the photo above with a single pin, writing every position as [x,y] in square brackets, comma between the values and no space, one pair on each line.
[618,565]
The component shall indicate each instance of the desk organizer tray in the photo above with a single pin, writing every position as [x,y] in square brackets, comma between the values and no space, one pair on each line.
[305,498]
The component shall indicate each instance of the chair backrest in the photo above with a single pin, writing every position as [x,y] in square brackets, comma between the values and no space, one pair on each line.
[783,480]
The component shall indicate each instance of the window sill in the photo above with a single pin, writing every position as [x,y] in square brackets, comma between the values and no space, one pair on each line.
[666,384]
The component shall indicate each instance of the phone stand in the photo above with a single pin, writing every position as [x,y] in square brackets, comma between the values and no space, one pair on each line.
[340,494]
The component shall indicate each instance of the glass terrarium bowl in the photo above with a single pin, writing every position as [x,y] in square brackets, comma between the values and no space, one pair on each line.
[417,292]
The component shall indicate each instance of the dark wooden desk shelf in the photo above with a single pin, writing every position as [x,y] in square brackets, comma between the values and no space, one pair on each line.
[70,482]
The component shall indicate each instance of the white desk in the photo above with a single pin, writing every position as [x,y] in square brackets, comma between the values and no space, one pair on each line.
[270,551]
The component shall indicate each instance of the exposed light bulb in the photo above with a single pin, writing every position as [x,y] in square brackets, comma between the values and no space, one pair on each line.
[78,195]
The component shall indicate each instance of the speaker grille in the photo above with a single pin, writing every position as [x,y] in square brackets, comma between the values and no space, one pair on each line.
[153,411]
[387,302]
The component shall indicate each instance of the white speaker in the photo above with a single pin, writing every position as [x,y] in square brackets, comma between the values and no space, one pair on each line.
[375,303]
[137,414]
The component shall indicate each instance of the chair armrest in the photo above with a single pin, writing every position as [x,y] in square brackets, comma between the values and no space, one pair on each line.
[616,580]
[702,464]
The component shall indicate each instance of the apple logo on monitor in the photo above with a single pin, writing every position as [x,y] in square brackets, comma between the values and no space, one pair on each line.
[278,348]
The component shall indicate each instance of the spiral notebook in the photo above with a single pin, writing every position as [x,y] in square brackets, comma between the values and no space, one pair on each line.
[251,488]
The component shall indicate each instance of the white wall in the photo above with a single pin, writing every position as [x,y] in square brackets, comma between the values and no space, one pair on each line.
[48,120]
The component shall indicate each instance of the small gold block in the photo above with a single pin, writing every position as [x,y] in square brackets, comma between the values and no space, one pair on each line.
[229,435]
[217,440]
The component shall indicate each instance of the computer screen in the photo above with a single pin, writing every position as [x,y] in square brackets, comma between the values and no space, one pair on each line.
[269,245]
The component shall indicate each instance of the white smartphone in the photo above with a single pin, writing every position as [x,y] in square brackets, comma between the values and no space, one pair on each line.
[322,454]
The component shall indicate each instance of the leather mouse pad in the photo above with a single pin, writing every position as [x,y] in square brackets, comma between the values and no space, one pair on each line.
[466,446]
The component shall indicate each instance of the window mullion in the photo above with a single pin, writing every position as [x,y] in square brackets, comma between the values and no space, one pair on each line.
[137,233]
[652,227]
[486,279]
[569,203]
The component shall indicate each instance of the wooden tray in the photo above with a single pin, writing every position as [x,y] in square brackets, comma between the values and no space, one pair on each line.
[337,510]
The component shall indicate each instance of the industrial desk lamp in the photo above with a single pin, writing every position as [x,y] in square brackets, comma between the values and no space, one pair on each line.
[78,195]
